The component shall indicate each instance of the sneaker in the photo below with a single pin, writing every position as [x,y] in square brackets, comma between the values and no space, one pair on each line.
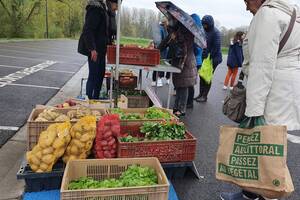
[230,88]
[224,87]
[168,82]
[153,83]
[198,97]
[202,99]
[232,196]
[159,82]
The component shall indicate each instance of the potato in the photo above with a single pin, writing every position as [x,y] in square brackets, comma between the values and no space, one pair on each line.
[34,167]
[88,145]
[39,154]
[74,150]
[44,166]
[84,138]
[48,159]
[35,160]
[78,135]
[48,150]
[59,152]
[78,143]
[58,143]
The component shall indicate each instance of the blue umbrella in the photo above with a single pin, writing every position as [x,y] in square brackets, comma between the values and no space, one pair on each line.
[169,9]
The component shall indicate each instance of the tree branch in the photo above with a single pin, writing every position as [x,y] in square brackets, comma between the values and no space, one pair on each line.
[7,11]
[36,4]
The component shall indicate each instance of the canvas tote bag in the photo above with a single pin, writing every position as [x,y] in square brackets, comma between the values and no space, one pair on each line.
[255,160]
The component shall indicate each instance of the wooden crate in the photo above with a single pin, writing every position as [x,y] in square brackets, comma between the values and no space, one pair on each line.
[34,128]
[113,168]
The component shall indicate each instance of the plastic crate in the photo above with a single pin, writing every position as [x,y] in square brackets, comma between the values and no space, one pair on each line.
[34,129]
[138,101]
[127,82]
[35,182]
[134,56]
[112,168]
[166,151]
[136,123]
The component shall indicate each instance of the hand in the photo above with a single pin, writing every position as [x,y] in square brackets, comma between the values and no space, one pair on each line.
[173,36]
[251,122]
[94,55]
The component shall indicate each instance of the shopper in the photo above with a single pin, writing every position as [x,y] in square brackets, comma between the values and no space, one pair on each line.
[198,55]
[234,60]
[213,38]
[163,30]
[272,79]
[98,31]
[181,42]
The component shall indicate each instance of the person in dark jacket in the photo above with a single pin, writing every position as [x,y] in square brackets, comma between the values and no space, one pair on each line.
[98,31]
[234,60]
[213,38]
[198,55]
[181,42]
[163,30]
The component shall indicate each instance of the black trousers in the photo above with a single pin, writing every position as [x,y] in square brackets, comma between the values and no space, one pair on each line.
[191,95]
[205,87]
[96,76]
[160,75]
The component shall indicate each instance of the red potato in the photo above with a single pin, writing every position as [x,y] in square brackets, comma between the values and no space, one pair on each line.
[104,143]
[107,123]
[116,130]
[106,129]
[113,152]
[114,146]
[107,154]
[107,135]
[106,148]
[112,141]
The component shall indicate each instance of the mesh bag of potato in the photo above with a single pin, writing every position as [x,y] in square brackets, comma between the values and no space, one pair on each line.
[83,134]
[51,146]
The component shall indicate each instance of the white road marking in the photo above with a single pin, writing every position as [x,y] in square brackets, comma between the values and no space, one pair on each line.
[36,59]
[46,50]
[47,70]
[39,53]
[9,79]
[34,86]
[9,128]
[293,138]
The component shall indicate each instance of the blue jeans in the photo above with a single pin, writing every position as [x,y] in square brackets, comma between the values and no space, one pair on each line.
[96,76]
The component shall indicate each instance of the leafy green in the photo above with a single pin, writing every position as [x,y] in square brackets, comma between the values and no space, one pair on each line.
[130,139]
[157,113]
[133,176]
[124,116]
[163,131]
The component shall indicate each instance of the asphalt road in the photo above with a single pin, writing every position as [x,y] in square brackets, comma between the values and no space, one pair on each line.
[34,79]
[204,121]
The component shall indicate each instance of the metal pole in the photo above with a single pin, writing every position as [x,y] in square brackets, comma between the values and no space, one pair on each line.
[47,29]
[118,51]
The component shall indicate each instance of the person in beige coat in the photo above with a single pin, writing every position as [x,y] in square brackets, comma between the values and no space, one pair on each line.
[273,80]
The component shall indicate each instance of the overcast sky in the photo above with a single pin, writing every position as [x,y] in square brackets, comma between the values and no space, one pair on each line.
[230,13]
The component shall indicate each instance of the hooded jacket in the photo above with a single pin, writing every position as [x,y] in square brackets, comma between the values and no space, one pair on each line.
[213,38]
[197,50]
[96,32]
[273,79]
[235,55]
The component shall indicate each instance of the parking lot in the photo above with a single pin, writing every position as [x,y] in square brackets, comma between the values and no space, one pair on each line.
[31,72]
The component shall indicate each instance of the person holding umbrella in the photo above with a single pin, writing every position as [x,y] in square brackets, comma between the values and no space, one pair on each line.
[98,31]
[184,32]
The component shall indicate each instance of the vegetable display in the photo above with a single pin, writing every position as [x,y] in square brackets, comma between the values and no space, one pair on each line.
[156,113]
[83,134]
[155,131]
[151,113]
[132,177]
[108,129]
[52,114]
[51,146]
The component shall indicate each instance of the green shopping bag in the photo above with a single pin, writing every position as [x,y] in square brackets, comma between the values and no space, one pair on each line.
[206,70]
